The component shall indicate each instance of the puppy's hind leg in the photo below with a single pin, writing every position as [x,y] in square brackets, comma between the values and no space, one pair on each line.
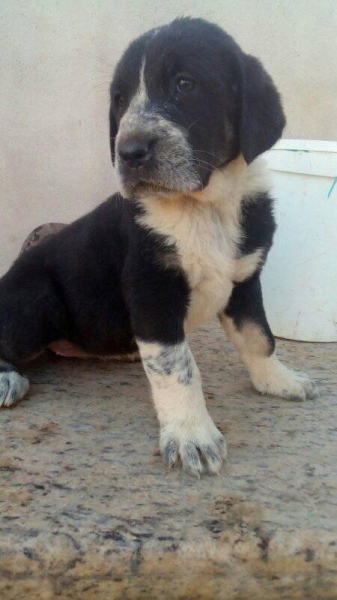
[30,318]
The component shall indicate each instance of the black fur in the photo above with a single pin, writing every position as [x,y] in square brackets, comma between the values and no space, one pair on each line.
[246,304]
[97,283]
[262,119]
[258,228]
[257,224]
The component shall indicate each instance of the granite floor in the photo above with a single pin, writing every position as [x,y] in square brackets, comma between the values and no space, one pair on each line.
[89,512]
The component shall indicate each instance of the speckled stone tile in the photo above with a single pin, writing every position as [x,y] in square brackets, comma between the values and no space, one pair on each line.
[88,511]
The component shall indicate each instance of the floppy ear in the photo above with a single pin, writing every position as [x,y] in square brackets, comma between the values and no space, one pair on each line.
[262,117]
[113,133]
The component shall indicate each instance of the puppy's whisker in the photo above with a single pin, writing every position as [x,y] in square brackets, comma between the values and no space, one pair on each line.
[212,167]
[192,124]
[210,153]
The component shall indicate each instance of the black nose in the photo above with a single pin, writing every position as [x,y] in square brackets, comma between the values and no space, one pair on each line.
[134,152]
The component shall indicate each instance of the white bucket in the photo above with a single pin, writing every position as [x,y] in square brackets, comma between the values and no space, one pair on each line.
[300,277]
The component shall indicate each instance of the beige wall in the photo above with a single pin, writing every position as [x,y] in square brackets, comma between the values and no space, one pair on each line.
[56,60]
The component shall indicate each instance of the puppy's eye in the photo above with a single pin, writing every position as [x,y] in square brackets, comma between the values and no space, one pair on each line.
[184,84]
[119,100]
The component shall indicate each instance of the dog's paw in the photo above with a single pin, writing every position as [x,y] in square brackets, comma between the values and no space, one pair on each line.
[13,387]
[274,379]
[198,448]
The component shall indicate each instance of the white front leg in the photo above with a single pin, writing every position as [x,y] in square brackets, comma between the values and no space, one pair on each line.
[187,432]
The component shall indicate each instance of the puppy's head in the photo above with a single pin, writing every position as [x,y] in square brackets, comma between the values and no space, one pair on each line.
[185,100]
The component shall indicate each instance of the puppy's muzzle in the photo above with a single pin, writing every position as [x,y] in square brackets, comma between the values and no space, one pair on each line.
[152,151]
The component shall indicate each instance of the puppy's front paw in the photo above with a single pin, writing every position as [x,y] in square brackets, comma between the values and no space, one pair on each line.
[275,379]
[13,387]
[199,448]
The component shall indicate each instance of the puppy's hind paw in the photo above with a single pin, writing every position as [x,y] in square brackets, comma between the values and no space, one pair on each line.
[13,387]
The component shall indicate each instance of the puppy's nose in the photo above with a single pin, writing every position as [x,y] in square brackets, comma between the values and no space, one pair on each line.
[135,151]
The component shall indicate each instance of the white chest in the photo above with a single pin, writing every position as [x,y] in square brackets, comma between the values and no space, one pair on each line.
[207,256]
[205,229]
[206,248]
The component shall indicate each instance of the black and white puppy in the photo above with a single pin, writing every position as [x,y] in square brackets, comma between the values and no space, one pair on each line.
[185,239]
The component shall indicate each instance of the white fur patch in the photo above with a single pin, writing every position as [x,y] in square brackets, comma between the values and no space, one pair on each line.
[205,227]
[245,266]
[187,432]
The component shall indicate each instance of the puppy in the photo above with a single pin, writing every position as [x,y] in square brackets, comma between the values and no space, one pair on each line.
[185,240]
